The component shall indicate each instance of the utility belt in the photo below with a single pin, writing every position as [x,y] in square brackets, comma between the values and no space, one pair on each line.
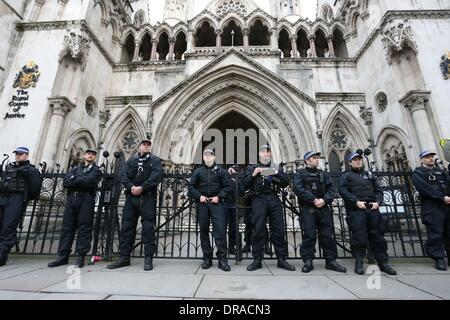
[266,193]
[11,193]
[81,193]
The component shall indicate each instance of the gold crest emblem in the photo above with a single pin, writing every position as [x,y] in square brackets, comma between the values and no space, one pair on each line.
[28,76]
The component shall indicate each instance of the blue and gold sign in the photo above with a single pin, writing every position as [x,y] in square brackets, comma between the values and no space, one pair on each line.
[28,76]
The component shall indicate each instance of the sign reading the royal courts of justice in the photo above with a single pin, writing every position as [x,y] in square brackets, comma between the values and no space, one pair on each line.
[25,79]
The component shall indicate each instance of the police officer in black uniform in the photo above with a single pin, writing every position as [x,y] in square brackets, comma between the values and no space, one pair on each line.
[141,175]
[20,182]
[210,185]
[316,192]
[363,198]
[81,183]
[265,183]
[433,185]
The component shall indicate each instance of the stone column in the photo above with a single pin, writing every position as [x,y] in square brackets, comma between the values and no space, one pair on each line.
[274,38]
[116,47]
[104,117]
[137,45]
[312,45]
[171,48]
[367,115]
[190,41]
[61,6]
[38,4]
[245,33]
[219,40]
[294,46]
[417,103]
[331,47]
[154,47]
[60,107]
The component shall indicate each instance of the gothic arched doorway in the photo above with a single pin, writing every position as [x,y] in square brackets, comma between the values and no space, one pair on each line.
[235,139]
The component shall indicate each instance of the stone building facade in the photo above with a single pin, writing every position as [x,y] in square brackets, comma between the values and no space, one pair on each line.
[363,74]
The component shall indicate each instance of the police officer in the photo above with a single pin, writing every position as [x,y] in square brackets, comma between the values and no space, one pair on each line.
[81,183]
[316,192]
[265,183]
[433,185]
[20,183]
[363,198]
[141,175]
[210,185]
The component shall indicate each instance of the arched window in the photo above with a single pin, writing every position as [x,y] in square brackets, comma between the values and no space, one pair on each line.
[334,163]
[302,43]
[227,37]
[128,49]
[145,50]
[180,46]
[259,34]
[321,43]
[284,43]
[340,47]
[205,36]
[163,46]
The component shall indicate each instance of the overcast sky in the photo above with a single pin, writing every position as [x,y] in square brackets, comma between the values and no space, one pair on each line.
[309,9]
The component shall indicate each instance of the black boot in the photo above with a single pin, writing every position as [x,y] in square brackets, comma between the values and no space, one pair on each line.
[246,248]
[440,264]
[255,265]
[80,262]
[148,263]
[283,264]
[207,263]
[59,261]
[359,266]
[333,265]
[308,266]
[223,264]
[384,267]
[119,263]
[3,259]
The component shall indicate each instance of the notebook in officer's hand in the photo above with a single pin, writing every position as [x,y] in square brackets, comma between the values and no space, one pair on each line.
[268,172]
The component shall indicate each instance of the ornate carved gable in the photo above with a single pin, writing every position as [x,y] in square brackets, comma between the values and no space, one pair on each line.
[76,44]
[244,61]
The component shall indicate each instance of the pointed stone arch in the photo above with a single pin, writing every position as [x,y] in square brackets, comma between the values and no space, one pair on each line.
[127,120]
[394,146]
[320,25]
[77,143]
[341,119]
[243,90]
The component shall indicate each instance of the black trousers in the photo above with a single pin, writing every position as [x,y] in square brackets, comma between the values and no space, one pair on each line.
[317,222]
[143,206]
[366,227]
[230,213]
[436,218]
[249,227]
[268,207]
[11,209]
[78,214]
[216,214]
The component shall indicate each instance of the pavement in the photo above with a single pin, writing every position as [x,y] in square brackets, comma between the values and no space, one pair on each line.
[29,278]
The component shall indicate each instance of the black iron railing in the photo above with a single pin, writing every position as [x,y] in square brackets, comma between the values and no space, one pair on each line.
[177,230]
